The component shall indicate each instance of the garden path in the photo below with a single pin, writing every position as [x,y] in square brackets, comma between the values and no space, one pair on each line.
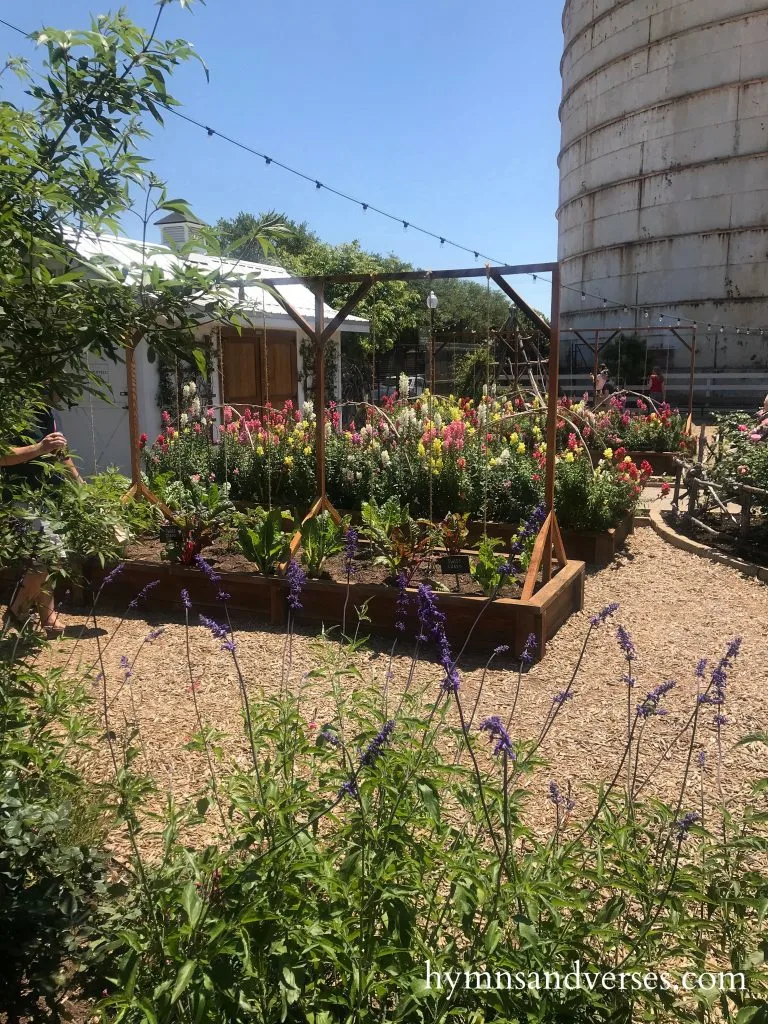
[678,607]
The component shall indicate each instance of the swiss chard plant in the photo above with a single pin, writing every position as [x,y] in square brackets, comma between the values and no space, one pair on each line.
[321,538]
[266,542]
[401,543]
[490,570]
[200,515]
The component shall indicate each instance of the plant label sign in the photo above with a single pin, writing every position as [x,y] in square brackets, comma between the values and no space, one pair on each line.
[169,533]
[454,565]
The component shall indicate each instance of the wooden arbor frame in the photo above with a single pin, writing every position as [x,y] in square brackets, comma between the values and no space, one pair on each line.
[610,333]
[549,539]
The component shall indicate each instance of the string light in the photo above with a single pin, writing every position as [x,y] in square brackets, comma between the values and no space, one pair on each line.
[365,207]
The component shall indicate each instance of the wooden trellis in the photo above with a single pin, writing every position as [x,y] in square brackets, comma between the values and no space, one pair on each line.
[549,541]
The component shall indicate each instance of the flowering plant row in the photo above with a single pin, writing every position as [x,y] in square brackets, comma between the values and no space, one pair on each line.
[741,448]
[437,455]
[642,429]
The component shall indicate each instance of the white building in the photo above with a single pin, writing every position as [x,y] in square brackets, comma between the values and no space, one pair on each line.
[97,430]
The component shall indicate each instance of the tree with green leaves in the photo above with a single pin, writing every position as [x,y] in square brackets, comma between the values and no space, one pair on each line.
[70,167]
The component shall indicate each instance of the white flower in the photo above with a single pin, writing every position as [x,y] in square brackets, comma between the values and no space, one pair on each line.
[403,385]
[385,460]
[194,406]
[358,476]
[485,390]
[192,387]
[203,421]
[438,421]
[482,414]
[185,391]
[349,474]
[184,419]
[308,411]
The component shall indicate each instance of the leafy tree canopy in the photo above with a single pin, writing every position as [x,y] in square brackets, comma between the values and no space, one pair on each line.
[69,164]
[397,309]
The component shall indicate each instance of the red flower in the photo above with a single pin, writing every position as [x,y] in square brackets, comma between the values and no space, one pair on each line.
[143,441]
[646,468]
[665,489]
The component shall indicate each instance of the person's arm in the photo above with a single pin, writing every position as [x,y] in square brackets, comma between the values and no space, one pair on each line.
[26,453]
[72,470]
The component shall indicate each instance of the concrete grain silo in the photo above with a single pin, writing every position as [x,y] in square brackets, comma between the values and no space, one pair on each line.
[664,171]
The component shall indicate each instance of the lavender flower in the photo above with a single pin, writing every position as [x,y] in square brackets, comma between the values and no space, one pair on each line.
[720,719]
[610,609]
[625,643]
[223,596]
[351,542]
[403,600]
[327,736]
[154,634]
[560,799]
[296,579]
[218,630]
[432,622]
[229,645]
[701,668]
[701,759]
[375,748]
[349,789]
[125,665]
[207,569]
[530,646]
[683,825]
[142,594]
[496,730]
[651,701]
[530,528]
[111,576]
[185,600]
[501,649]
[560,698]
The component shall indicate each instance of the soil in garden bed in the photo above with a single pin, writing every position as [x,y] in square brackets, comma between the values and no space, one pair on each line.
[728,540]
[224,560]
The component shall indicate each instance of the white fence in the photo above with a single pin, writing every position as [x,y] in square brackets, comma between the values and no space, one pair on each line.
[710,388]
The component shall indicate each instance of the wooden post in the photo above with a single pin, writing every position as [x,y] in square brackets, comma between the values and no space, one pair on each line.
[746,516]
[138,488]
[320,389]
[133,412]
[596,367]
[552,394]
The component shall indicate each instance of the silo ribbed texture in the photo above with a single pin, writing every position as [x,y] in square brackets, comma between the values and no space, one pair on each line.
[664,165]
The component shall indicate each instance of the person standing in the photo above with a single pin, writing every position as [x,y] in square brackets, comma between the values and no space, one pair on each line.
[27,466]
[656,387]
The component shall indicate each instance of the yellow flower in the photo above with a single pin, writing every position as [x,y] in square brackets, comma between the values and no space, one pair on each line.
[288,460]
[438,467]
[437,444]
[568,456]
[308,450]
[627,458]
[608,453]
[514,437]
[521,449]
[496,418]
[291,440]
[259,450]
[493,462]
[421,450]
[537,432]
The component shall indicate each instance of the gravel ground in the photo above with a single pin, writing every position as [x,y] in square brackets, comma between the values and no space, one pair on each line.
[677,607]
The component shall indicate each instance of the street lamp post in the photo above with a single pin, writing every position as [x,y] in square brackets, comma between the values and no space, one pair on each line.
[432,302]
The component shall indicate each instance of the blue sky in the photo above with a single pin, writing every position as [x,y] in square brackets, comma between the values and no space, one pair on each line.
[442,112]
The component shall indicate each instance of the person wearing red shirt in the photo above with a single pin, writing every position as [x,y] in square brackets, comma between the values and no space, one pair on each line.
[656,386]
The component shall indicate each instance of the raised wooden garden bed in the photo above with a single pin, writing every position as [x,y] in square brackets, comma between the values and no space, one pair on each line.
[503,621]
[595,547]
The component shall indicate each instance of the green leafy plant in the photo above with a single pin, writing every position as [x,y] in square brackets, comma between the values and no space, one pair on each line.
[266,543]
[487,569]
[453,532]
[321,538]
[200,513]
[402,544]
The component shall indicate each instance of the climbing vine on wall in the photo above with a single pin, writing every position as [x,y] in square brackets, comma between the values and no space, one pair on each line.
[174,373]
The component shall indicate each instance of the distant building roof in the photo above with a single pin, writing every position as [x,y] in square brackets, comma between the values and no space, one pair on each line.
[178,218]
[130,255]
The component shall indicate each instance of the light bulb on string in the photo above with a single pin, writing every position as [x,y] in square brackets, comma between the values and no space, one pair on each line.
[583,296]
[709,328]
[626,309]
[646,314]
[661,318]
[722,330]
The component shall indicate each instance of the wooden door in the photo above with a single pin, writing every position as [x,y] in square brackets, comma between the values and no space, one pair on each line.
[241,372]
[283,382]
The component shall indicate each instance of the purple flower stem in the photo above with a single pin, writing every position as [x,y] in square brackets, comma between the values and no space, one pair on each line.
[200,726]
[477,698]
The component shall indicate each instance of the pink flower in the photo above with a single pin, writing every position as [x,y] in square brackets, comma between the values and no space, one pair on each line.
[743,428]
[235,471]
[743,470]
[165,416]
[665,489]
[197,428]
[227,414]
[195,478]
